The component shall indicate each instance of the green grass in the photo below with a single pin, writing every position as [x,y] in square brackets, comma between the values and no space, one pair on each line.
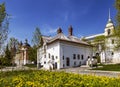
[110,67]
[8,74]
[31,65]
[2,67]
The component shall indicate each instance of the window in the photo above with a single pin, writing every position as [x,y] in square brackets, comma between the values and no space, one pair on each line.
[49,55]
[63,65]
[63,57]
[44,62]
[78,56]
[44,56]
[109,32]
[74,56]
[74,63]
[44,49]
[112,41]
[97,54]
[52,57]
[56,57]
[80,63]
[112,53]
[88,57]
[82,57]
[67,61]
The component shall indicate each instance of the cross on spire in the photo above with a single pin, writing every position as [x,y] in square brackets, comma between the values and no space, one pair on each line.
[109,17]
[109,13]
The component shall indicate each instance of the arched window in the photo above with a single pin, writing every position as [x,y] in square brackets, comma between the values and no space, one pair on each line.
[109,31]
[112,53]
[82,57]
[52,57]
[49,55]
[75,63]
[78,56]
[74,56]
[112,41]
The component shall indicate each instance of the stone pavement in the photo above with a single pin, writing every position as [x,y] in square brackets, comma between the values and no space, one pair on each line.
[77,70]
[17,68]
[86,70]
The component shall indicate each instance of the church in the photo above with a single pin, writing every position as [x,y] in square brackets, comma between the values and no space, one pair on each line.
[63,51]
[109,55]
[21,57]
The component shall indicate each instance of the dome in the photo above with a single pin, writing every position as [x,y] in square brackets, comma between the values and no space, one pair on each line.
[26,43]
[110,23]
[110,20]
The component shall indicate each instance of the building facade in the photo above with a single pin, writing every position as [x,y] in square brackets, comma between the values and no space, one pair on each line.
[22,57]
[63,51]
[109,55]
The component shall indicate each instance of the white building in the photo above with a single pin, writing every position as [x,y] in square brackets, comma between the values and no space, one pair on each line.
[110,55]
[63,51]
[22,57]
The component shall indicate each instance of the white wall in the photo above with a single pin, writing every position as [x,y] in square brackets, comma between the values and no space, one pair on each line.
[53,50]
[69,49]
[116,57]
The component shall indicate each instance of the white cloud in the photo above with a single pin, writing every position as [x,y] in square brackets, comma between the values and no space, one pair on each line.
[48,30]
[52,30]
[66,16]
[12,16]
[80,35]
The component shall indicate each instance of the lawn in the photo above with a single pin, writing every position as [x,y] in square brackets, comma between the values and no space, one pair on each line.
[42,78]
[31,65]
[109,67]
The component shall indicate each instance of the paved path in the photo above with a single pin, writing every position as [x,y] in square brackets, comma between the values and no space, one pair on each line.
[85,70]
[78,70]
[17,68]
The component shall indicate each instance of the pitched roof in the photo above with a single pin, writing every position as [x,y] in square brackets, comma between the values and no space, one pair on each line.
[61,36]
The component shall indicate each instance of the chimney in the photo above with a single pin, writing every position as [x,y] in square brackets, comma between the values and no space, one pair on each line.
[70,30]
[59,30]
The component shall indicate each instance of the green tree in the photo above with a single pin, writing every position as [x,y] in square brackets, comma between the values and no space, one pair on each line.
[37,38]
[4,23]
[37,42]
[32,52]
[13,47]
[8,59]
[117,30]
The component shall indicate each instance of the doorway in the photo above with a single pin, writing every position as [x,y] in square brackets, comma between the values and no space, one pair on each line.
[55,65]
[67,61]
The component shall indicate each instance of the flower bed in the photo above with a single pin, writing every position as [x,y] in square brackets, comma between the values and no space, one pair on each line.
[54,79]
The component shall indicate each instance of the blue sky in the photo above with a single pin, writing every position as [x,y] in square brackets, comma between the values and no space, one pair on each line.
[86,16]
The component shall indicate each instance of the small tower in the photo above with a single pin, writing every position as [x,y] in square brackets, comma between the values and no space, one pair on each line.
[59,30]
[109,29]
[26,46]
[70,30]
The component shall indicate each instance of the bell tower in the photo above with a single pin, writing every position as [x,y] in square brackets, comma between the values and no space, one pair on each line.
[109,29]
